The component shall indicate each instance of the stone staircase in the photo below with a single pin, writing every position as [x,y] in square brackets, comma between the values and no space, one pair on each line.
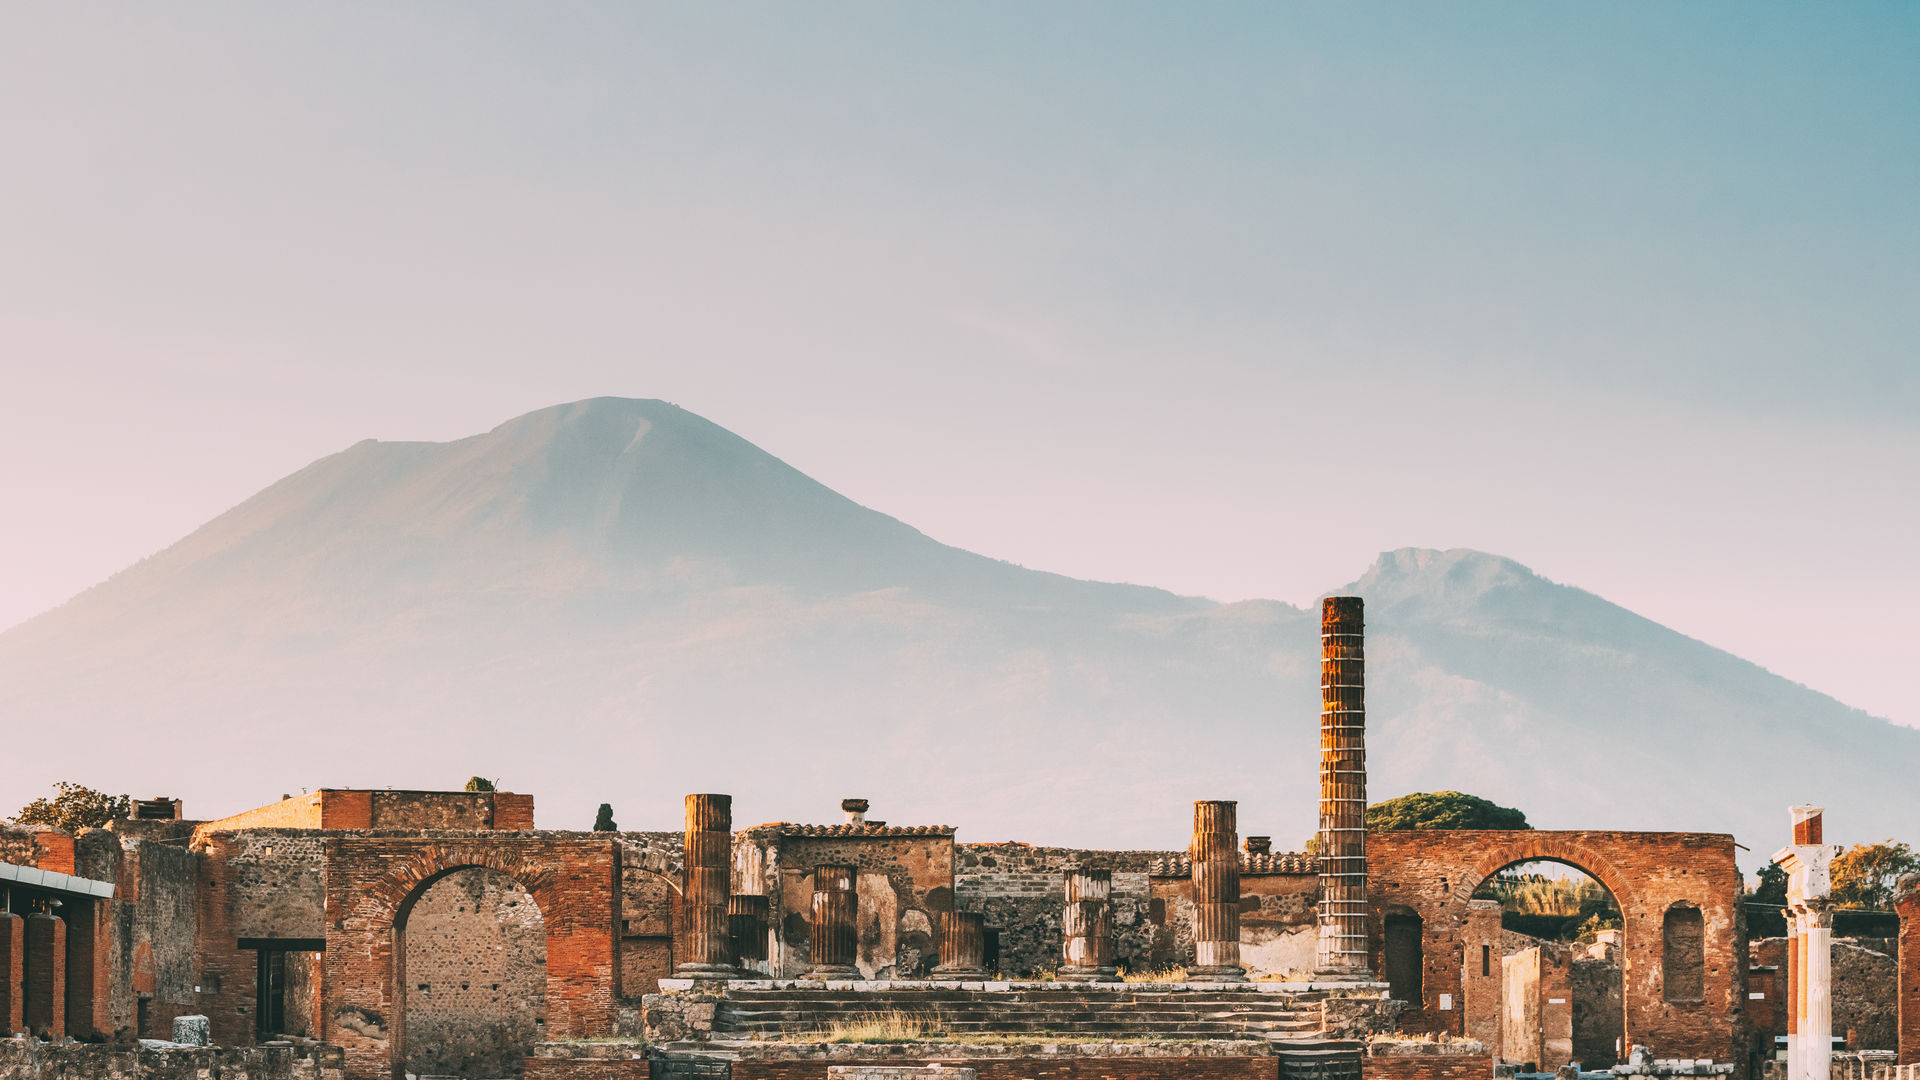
[1122,1012]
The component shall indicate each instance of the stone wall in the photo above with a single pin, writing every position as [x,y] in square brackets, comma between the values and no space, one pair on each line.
[904,875]
[650,877]
[1865,993]
[267,883]
[371,880]
[1434,873]
[28,1059]
[1021,891]
[476,970]
[1598,1012]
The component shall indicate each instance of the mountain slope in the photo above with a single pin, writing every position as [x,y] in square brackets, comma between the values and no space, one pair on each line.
[618,601]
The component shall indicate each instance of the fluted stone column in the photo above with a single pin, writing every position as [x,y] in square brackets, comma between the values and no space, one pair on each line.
[1342,951]
[1216,893]
[1087,927]
[1816,1021]
[747,931]
[836,906]
[963,946]
[709,861]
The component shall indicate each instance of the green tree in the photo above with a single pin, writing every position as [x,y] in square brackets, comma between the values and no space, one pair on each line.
[480,783]
[603,821]
[74,807]
[1864,875]
[1443,810]
[1772,888]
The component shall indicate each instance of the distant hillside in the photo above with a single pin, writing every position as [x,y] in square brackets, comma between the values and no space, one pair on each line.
[618,601]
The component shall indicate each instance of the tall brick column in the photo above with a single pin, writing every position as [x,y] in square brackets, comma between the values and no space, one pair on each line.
[1906,901]
[46,977]
[709,863]
[1342,951]
[963,945]
[1087,925]
[836,905]
[1216,893]
[86,973]
[13,956]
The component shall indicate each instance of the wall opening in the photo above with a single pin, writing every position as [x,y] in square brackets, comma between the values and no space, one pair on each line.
[1403,960]
[474,976]
[1576,922]
[1683,955]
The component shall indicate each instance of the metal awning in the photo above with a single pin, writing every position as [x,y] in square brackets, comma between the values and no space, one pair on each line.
[53,881]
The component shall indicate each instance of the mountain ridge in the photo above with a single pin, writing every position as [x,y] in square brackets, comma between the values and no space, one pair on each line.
[591,587]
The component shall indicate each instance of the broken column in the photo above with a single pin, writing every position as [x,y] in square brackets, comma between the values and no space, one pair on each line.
[709,858]
[1216,893]
[836,905]
[1086,924]
[1342,951]
[1810,928]
[963,945]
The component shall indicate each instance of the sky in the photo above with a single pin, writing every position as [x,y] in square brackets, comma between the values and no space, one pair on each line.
[1224,299]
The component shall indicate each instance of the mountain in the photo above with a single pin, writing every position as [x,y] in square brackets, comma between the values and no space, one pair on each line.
[617,601]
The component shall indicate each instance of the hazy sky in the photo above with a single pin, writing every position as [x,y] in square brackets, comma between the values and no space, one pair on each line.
[1225,299]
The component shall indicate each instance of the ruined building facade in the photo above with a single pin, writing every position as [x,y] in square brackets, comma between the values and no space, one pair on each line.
[441,933]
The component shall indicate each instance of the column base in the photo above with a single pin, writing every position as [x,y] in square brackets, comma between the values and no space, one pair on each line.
[1225,974]
[706,971]
[833,971]
[1088,974]
[946,974]
[1354,975]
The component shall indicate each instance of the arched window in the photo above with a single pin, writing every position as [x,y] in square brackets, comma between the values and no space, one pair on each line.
[1683,954]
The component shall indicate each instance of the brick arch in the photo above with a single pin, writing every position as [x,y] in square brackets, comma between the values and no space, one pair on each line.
[1436,871]
[372,883]
[1533,846]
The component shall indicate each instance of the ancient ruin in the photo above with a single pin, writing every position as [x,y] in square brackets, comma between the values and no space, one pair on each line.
[361,934]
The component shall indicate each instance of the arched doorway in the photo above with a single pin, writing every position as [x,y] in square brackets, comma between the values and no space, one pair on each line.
[373,885]
[472,947]
[1545,953]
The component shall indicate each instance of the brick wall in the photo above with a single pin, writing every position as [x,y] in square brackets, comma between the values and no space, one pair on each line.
[1908,976]
[1427,1067]
[373,883]
[46,976]
[1434,873]
[476,989]
[264,883]
[13,955]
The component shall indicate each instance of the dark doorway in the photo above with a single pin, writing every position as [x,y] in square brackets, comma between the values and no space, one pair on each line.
[1403,961]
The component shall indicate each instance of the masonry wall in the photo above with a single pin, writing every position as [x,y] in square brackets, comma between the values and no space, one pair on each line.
[650,875]
[476,970]
[372,882]
[904,878]
[1865,993]
[1278,921]
[266,883]
[1021,891]
[1435,872]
